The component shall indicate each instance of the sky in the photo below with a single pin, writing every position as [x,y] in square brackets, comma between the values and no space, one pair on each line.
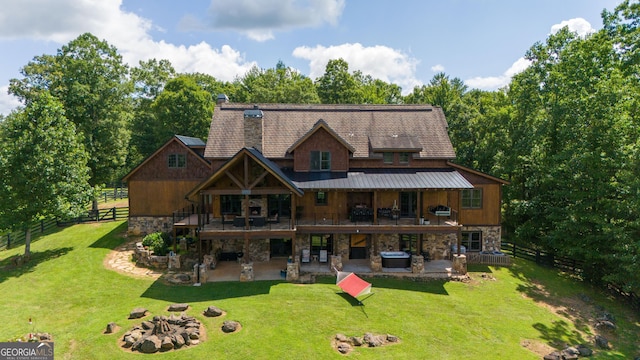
[405,42]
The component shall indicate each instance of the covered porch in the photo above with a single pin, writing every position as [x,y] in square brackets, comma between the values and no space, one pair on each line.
[273,270]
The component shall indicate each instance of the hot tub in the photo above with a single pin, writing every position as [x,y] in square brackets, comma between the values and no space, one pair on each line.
[395,259]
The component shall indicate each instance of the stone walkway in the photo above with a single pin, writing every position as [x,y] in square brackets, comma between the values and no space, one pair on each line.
[120,260]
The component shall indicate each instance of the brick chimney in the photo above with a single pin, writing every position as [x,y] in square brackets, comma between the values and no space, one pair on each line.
[253,128]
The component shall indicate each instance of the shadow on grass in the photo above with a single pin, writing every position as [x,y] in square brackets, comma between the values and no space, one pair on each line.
[430,286]
[113,239]
[479,268]
[10,270]
[559,333]
[208,291]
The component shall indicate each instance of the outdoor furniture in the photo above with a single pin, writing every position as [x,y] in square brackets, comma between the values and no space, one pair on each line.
[258,221]
[228,218]
[238,221]
[323,256]
[273,218]
[306,256]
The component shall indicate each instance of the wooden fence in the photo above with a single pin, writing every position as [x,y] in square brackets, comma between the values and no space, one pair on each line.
[543,258]
[16,238]
[118,193]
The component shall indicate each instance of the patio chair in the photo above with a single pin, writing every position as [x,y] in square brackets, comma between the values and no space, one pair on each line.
[323,256]
[306,256]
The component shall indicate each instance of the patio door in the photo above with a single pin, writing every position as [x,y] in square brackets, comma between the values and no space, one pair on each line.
[358,246]
[280,204]
[280,247]
[408,204]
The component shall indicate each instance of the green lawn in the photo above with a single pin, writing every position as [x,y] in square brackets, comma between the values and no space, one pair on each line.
[67,292]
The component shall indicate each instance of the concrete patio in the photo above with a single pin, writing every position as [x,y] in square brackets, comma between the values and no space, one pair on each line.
[271,270]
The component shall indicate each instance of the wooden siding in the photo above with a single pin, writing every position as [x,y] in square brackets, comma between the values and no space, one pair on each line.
[157,168]
[489,213]
[321,140]
[157,190]
[158,198]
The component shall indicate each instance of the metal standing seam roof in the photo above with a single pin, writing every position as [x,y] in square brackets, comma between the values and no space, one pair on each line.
[365,181]
[190,141]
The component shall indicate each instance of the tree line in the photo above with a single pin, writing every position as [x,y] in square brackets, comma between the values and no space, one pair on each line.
[564,132]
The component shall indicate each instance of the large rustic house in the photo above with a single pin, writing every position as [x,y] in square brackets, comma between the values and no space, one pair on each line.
[352,181]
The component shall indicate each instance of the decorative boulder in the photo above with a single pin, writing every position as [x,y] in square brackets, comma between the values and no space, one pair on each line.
[344,348]
[150,345]
[602,342]
[167,343]
[213,311]
[230,326]
[178,307]
[111,328]
[137,313]
[584,350]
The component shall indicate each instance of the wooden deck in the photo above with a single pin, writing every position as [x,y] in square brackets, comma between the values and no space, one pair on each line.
[286,227]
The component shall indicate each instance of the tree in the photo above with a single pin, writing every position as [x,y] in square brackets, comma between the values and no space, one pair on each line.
[182,108]
[280,85]
[88,77]
[43,166]
[337,85]
[149,79]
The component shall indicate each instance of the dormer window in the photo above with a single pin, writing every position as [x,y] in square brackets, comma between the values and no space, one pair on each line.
[177,161]
[404,157]
[387,157]
[320,161]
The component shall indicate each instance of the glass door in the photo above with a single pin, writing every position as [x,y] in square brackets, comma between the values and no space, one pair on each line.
[408,204]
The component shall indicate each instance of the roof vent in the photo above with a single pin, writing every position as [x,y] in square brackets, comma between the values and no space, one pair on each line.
[253,113]
[222,99]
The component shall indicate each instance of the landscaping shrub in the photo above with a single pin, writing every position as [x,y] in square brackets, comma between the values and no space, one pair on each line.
[157,242]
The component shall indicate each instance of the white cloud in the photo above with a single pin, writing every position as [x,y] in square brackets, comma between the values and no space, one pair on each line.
[438,68]
[578,25]
[60,21]
[381,62]
[496,82]
[258,19]
[7,102]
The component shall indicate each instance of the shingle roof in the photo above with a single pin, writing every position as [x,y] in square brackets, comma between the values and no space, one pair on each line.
[423,126]
[382,179]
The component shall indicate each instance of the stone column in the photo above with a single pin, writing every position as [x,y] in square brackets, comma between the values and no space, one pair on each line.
[246,274]
[376,263]
[417,264]
[203,273]
[174,262]
[460,264]
[293,271]
[336,262]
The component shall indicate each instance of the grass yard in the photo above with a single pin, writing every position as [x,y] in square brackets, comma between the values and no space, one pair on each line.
[502,313]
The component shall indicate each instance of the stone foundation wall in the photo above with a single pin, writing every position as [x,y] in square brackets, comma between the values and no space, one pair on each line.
[342,242]
[491,236]
[301,242]
[258,250]
[438,245]
[143,225]
[386,242]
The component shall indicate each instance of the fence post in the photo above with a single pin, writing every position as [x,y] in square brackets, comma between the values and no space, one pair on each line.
[114,213]
[8,240]
[41,226]
[537,256]
[514,250]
